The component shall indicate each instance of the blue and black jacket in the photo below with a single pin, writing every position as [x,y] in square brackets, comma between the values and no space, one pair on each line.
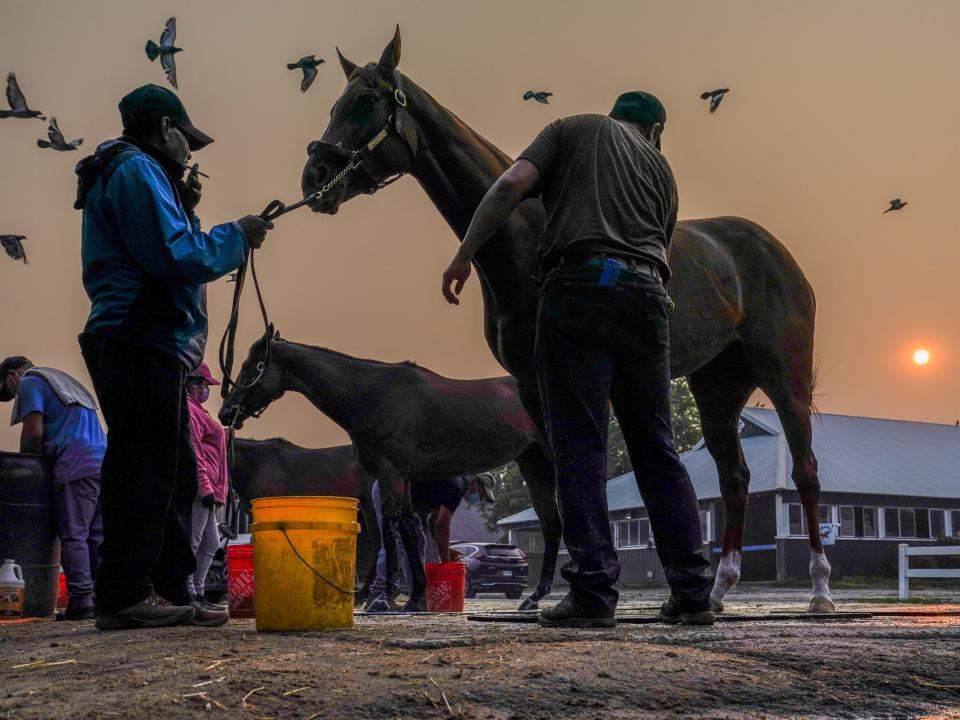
[145,259]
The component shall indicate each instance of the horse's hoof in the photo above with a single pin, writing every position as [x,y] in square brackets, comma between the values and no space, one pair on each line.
[415,605]
[379,604]
[821,606]
[716,604]
[529,604]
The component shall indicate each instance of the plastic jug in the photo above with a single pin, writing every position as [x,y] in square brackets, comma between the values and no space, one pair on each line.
[11,589]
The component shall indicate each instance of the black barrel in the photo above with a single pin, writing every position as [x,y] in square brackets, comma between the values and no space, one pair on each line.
[28,529]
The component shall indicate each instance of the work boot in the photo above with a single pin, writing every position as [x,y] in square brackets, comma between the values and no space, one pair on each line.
[567,613]
[203,616]
[152,612]
[77,613]
[208,605]
[674,613]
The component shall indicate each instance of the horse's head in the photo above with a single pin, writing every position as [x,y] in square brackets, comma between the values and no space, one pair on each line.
[258,384]
[370,130]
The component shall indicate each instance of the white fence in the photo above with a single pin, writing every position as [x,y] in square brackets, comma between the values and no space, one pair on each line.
[906,573]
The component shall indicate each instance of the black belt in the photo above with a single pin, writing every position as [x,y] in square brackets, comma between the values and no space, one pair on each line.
[597,259]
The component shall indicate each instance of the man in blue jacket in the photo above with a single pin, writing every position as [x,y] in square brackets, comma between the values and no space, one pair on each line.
[145,265]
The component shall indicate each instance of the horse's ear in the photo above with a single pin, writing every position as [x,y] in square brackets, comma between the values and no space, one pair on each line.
[391,53]
[348,67]
[276,334]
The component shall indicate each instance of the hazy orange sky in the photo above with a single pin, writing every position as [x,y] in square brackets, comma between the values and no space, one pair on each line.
[835,108]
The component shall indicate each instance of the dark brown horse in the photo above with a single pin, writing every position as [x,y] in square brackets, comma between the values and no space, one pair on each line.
[406,423]
[744,315]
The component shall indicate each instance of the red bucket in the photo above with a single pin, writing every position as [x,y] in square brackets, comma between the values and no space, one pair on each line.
[63,597]
[240,580]
[445,583]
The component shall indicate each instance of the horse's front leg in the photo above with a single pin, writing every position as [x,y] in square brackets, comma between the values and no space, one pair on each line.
[409,537]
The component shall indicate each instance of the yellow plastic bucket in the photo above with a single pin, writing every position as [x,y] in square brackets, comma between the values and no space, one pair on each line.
[304,557]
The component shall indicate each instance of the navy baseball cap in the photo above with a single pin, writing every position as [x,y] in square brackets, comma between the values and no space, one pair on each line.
[153,101]
[639,107]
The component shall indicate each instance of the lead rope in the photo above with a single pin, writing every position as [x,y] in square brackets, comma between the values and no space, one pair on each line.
[274,210]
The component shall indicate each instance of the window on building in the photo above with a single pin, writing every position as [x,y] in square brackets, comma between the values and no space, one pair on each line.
[938,527]
[705,528]
[903,522]
[633,532]
[848,521]
[857,521]
[797,518]
[530,541]
[908,523]
[891,522]
[955,524]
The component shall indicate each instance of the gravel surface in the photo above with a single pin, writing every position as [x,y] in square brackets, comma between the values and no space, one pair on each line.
[449,667]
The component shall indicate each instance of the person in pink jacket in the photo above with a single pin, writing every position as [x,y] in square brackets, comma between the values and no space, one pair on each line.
[210,445]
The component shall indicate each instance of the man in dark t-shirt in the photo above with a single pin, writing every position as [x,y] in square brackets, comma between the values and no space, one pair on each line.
[602,335]
[439,499]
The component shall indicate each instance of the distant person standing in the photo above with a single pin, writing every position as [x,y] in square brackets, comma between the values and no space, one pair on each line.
[145,265]
[602,335]
[210,447]
[59,420]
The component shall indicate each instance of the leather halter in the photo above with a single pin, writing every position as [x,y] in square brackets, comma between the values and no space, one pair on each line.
[365,158]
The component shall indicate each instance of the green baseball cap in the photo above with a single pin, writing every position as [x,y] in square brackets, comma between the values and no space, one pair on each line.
[153,101]
[639,107]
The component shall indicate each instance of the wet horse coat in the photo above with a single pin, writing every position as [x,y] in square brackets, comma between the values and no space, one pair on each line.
[407,424]
[744,315]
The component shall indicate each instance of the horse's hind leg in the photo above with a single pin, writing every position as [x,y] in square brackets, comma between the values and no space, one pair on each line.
[791,390]
[721,389]
[537,470]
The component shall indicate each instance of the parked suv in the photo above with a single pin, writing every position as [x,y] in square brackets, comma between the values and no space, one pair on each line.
[493,568]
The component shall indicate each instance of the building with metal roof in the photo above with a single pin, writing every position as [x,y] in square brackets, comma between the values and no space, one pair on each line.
[883,482]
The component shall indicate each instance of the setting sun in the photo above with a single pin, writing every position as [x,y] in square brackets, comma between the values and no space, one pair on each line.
[921,357]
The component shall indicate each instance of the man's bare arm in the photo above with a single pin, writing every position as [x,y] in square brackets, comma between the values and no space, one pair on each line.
[519,181]
[31,437]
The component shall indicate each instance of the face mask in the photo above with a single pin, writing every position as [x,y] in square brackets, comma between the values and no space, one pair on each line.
[472,498]
[204,395]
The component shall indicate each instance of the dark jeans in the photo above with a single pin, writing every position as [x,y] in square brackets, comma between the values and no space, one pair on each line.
[149,476]
[80,529]
[596,343]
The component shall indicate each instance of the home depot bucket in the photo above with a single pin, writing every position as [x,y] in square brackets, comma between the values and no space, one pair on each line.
[240,580]
[305,553]
[445,583]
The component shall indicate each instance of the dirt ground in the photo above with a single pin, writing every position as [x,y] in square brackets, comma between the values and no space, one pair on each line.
[449,667]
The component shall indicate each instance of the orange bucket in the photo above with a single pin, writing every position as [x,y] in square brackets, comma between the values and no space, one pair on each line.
[240,585]
[445,583]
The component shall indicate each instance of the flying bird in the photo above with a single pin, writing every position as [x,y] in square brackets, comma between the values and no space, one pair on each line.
[165,50]
[13,244]
[715,96]
[57,141]
[540,97]
[895,204]
[308,63]
[18,103]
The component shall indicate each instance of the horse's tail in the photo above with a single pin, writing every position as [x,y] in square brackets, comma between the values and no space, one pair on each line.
[152,50]
[814,381]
